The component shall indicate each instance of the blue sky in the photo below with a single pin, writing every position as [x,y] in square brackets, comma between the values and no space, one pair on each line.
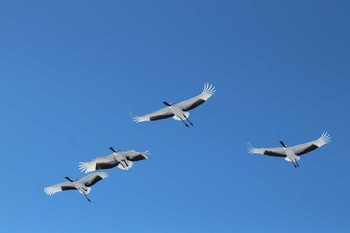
[73,74]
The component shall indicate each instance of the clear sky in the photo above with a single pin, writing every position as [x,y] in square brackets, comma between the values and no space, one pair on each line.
[74,73]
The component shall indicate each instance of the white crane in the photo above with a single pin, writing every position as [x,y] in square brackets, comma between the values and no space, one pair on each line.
[82,185]
[123,159]
[179,111]
[292,153]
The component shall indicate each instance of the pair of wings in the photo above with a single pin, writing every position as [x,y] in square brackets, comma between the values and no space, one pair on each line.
[109,161]
[88,181]
[185,105]
[298,149]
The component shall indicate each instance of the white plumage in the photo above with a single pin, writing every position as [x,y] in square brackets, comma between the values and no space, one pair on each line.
[82,185]
[292,153]
[122,159]
[179,111]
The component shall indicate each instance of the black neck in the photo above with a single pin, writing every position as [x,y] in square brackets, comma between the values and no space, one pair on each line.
[283,144]
[68,179]
[166,103]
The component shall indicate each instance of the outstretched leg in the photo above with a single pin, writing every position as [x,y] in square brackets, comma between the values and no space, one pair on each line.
[188,120]
[86,197]
[122,163]
[296,162]
[126,164]
[185,123]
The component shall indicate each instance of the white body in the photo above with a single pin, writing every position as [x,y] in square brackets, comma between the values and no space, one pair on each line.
[123,162]
[290,155]
[179,114]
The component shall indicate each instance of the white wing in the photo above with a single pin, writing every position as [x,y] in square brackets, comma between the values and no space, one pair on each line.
[310,146]
[103,162]
[157,115]
[194,102]
[59,187]
[93,178]
[277,152]
[134,155]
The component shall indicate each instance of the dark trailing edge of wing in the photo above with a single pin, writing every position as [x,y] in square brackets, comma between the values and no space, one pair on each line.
[194,105]
[308,149]
[136,158]
[94,181]
[105,165]
[63,188]
[271,153]
[159,117]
